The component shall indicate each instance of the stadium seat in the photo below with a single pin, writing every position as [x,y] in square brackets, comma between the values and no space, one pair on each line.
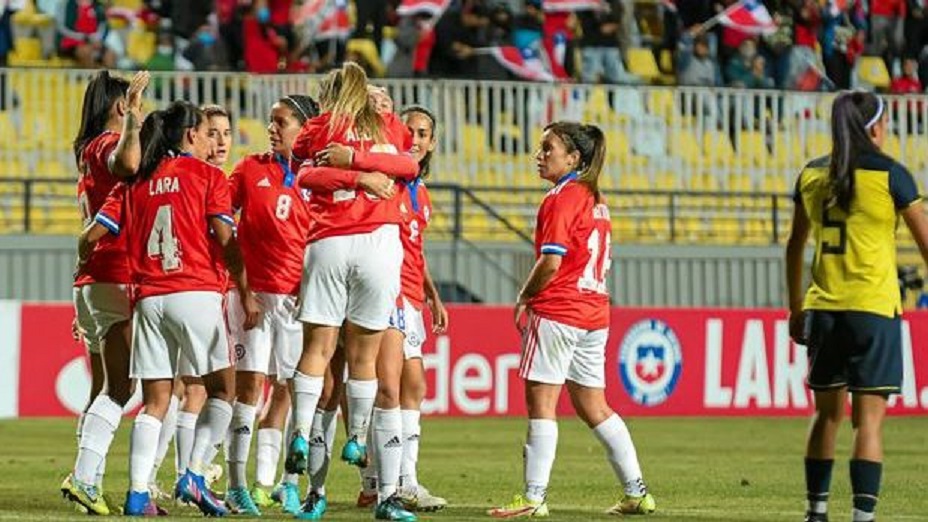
[641,63]
[27,52]
[619,150]
[660,103]
[871,70]
[141,45]
[13,168]
[817,144]
[29,17]
[55,169]
[893,148]
[368,51]
[718,148]
[473,141]
[752,148]
[252,133]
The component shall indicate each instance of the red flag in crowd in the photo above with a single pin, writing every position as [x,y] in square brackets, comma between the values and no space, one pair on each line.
[748,16]
[524,63]
[559,6]
[433,8]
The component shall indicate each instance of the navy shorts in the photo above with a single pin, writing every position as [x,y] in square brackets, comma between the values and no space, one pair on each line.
[858,350]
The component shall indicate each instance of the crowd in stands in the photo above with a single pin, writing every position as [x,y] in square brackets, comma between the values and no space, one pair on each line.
[816,45]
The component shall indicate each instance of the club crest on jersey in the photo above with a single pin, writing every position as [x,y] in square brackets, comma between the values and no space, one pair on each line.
[650,362]
[239,352]
[305,193]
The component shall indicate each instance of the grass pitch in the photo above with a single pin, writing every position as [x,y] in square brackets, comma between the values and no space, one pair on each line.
[698,469]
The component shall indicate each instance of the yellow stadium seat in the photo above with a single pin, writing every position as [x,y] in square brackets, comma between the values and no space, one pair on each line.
[13,168]
[618,149]
[641,62]
[775,183]
[872,71]
[785,149]
[597,108]
[367,50]
[666,61]
[252,133]
[128,4]
[473,141]
[660,103]
[718,147]
[26,51]
[55,169]
[667,181]
[141,45]
[893,148]
[752,148]
[634,182]
[818,144]
[684,145]
[29,17]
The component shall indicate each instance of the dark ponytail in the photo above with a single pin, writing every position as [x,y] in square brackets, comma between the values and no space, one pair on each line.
[102,92]
[590,142]
[425,164]
[303,107]
[853,114]
[162,134]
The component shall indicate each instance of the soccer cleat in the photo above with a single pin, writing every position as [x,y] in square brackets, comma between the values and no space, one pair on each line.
[192,488]
[418,498]
[154,489]
[297,454]
[366,499]
[140,504]
[816,517]
[288,496]
[392,509]
[85,495]
[634,505]
[261,497]
[314,507]
[520,507]
[239,502]
[354,453]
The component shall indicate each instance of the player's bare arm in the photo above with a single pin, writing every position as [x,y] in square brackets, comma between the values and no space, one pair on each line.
[795,247]
[540,276]
[436,306]
[127,156]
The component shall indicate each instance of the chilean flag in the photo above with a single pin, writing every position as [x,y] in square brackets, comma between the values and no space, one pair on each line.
[524,63]
[562,6]
[324,19]
[433,8]
[748,16]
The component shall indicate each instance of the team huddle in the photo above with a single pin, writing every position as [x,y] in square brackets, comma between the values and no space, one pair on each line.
[303,273]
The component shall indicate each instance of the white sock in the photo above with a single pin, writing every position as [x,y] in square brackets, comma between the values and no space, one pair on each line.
[388,438]
[369,474]
[80,426]
[540,449]
[97,429]
[243,420]
[306,393]
[862,516]
[361,395]
[211,429]
[101,472]
[210,456]
[183,440]
[270,440]
[614,436]
[142,448]
[411,434]
[168,427]
[290,429]
[321,440]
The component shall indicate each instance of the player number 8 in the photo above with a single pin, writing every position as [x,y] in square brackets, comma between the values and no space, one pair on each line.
[284,202]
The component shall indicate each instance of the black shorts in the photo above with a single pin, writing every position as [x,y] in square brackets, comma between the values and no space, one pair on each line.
[857,350]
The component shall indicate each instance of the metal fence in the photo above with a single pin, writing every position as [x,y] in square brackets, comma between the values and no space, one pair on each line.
[658,137]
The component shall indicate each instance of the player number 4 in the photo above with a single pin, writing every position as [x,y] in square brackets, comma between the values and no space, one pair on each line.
[161,241]
[594,274]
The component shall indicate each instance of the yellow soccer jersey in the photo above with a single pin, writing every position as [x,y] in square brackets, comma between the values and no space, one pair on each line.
[855,252]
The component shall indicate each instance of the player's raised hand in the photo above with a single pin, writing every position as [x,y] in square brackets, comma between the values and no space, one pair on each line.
[335,155]
[377,184]
[439,316]
[134,94]
[252,309]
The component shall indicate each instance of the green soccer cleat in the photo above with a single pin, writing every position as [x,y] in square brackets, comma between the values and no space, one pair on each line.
[520,507]
[84,495]
[261,497]
[634,505]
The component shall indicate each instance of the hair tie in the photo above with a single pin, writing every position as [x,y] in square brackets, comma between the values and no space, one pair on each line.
[876,117]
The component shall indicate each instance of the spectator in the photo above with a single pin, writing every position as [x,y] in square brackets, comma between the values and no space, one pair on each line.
[372,12]
[409,33]
[527,26]
[915,28]
[205,52]
[695,65]
[163,59]
[842,40]
[457,34]
[747,69]
[6,31]
[807,21]
[82,30]
[908,81]
[886,30]
[599,46]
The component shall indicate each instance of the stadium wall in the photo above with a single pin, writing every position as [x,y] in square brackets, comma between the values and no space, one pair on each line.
[659,362]
[40,268]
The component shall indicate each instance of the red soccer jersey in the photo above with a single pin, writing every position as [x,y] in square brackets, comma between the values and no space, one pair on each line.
[416,208]
[344,212]
[107,263]
[571,224]
[169,235]
[274,222]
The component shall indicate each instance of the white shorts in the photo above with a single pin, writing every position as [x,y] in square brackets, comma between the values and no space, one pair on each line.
[354,277]
[407,319]
[98,308]
[278,334]
[553,352]
[186,325]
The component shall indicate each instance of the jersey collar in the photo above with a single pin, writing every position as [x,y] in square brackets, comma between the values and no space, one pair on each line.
[289,178]
[413,187]
[566,178]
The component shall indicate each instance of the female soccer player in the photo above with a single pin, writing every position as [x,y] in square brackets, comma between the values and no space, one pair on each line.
[175,207]
[106,149]
[342,283]
[850,201]
[563,315]
[273,227]
[189,387]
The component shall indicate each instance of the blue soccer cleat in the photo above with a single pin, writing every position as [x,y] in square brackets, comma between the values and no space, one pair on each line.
[139,504]
[314,507]
[355,453]
[192,488]
[288,496]
[297,454]
[392,509]
[239,502]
